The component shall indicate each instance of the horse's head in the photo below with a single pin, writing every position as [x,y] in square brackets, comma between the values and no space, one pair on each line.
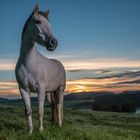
[39,29]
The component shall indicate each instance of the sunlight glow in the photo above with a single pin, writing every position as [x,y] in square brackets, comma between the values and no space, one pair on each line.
[97,85]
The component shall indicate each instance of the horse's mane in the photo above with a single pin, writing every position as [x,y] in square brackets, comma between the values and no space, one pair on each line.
[26,23]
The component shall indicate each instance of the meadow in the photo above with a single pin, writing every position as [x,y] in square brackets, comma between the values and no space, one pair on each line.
[79,124]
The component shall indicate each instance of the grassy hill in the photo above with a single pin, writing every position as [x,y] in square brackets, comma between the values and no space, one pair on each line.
[78,125]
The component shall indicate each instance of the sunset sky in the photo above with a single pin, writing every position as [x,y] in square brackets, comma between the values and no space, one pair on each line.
[99,43]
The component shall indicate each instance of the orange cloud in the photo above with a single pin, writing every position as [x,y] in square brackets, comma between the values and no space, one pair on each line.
[9,88]
[106,84]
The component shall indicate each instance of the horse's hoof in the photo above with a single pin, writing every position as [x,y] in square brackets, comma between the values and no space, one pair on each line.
[30,132]
[41,130]
[60,125]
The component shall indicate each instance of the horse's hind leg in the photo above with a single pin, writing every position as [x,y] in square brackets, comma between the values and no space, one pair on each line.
[62,108]
[54,107]
[58,106]
[28,110]
[41,99]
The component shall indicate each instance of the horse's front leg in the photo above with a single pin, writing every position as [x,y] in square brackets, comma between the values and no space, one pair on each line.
[28,111]
[41,99]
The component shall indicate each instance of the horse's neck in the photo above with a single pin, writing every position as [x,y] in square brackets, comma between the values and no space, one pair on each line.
[27,48]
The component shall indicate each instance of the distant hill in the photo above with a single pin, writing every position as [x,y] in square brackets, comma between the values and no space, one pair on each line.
[85,95]
[117,99]
[106,100]
[86,100]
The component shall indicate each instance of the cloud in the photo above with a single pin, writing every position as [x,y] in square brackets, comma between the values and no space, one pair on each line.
[7,64]
[130,74]
[98,71]
[88,75]
[112,84]
[130,82]
[8,89]
[88,63]
[93,64]
[78,70]
[104,71]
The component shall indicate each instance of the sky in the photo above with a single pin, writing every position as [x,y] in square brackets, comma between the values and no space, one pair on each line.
[99,43]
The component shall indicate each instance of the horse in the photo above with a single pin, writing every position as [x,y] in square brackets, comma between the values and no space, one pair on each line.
[37,74]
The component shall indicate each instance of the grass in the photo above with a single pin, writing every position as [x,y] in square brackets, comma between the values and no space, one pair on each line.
[78,125]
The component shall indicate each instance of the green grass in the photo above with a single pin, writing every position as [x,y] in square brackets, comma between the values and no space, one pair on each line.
[78,125]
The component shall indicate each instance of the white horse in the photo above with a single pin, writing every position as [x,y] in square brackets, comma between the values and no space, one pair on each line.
[36,73]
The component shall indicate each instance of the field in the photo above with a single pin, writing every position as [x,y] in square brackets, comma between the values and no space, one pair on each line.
[78,125]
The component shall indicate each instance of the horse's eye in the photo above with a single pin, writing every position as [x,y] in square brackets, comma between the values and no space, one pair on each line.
[37,21]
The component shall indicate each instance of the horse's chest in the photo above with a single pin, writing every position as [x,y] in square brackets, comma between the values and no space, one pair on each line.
[27,78]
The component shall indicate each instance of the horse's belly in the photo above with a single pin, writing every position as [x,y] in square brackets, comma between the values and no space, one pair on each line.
[54,82]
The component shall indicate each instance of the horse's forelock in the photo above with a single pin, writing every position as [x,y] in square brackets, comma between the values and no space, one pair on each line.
[43,14]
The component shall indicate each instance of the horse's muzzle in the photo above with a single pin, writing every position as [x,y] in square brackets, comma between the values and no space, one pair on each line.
[53,43]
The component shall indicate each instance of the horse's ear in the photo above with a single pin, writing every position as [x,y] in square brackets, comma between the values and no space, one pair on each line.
[47,13]
[36,9]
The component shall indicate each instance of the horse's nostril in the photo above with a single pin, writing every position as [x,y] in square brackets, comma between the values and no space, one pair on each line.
[53,42]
